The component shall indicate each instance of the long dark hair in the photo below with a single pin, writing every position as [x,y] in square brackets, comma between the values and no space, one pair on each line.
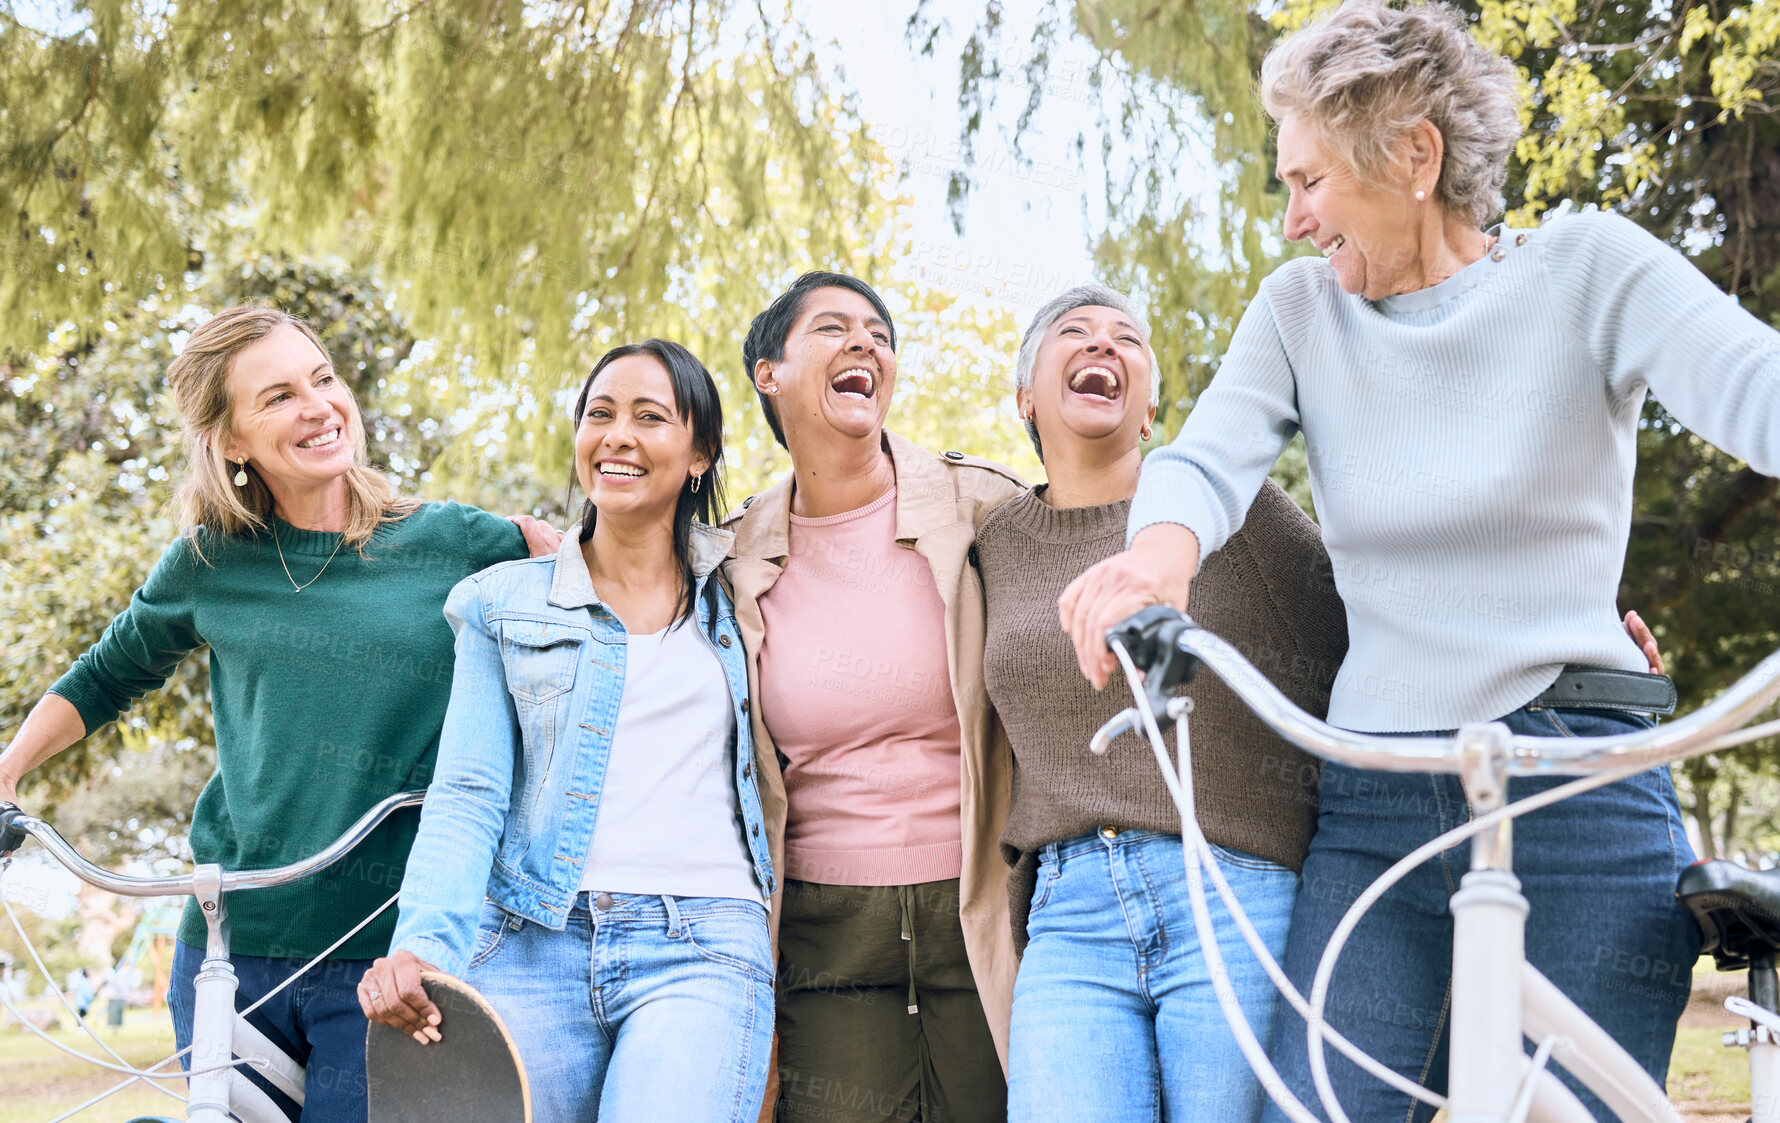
[697,400]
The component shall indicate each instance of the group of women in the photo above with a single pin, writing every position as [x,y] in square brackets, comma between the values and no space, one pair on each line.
[797,808]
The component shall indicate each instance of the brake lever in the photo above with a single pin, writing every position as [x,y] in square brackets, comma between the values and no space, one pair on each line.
[11,837]
[1128,721]
[1151,637]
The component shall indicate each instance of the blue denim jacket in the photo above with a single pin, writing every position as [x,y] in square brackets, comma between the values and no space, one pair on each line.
[522,757]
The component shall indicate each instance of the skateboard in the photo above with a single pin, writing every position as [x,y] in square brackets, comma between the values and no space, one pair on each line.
[473,1073]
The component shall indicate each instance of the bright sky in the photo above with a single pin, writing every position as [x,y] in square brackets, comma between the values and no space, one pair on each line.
[1027,231]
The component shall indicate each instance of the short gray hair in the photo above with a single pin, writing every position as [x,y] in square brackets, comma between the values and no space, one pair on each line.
[1081,296]
[1367,74]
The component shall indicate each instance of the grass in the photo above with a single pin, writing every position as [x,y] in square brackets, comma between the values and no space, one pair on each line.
[1703,1070]
[39,1082]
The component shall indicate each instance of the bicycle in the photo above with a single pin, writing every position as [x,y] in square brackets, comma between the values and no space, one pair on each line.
[223,1041]
[1497,997]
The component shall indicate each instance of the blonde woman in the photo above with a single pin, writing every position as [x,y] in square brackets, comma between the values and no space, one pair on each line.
[1470,399]
[319,592]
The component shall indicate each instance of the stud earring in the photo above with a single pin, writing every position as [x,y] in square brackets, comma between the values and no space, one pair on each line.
[241,473]
[1420,196]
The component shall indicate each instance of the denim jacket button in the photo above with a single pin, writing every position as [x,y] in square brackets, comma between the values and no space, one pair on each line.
[756,830]
[744,705]
[747,770]
[724,640]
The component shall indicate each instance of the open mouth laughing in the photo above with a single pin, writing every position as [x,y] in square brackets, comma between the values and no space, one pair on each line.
[1096,382]
[856,382]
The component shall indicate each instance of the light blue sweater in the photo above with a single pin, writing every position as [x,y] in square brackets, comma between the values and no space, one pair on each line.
[1471,452]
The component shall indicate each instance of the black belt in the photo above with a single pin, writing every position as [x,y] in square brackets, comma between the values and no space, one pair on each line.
[1608,688]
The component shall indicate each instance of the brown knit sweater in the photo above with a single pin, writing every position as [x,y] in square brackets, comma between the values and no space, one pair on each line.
[1270,591]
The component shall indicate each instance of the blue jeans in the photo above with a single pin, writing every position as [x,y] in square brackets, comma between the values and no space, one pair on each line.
[657,1009]
[1598,870]
[316,1021]
[1114,1014]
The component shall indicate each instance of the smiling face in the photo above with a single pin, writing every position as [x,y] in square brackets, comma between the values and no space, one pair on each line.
[1090,380]
[634,451]
[838,371]
[1366,231]
[290,415]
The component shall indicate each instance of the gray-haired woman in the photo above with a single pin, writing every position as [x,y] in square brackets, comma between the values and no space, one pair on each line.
[1114,1017]
[1470,402]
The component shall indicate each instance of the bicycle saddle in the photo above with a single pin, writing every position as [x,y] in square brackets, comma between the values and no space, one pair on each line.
[1738,910]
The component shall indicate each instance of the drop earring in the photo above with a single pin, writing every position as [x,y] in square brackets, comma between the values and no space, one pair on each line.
[241,473]
[696,480]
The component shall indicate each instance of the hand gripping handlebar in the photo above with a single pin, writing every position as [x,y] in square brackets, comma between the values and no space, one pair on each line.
[1168,647]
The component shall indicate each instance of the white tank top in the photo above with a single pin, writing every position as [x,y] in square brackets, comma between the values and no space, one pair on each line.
[668,821]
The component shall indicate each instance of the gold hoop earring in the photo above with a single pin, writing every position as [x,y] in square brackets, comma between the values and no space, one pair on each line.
[241,473]
[1144,434]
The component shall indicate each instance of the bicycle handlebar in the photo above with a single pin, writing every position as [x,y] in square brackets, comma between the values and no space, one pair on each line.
[1168,645]
[15,825]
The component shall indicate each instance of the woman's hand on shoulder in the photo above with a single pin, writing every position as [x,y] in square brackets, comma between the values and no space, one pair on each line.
[541,538]
[1157,569]
[390,992]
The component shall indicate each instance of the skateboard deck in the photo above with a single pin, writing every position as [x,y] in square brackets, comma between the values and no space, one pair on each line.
[472,1073]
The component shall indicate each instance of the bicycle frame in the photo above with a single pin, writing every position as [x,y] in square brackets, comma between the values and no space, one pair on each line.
[1497,998]
[1761,1039]
[215,1087]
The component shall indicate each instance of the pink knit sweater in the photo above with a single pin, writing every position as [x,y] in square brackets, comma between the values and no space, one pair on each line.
[856,691]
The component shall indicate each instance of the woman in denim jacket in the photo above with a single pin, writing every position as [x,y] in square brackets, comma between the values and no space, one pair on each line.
[596,783]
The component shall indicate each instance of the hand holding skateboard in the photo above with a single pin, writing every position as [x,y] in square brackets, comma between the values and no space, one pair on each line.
[390,993]
[474,1076]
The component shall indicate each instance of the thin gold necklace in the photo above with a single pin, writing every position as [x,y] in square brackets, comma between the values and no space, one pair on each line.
[296,588]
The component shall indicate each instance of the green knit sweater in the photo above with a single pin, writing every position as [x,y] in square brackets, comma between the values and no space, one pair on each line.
[324,704]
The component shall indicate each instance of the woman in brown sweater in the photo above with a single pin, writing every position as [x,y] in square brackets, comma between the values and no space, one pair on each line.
[1114,1016]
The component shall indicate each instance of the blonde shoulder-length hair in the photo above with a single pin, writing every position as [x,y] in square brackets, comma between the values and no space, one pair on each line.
[208,498]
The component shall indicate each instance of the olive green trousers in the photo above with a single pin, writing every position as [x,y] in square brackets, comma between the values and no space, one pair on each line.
[878,1012]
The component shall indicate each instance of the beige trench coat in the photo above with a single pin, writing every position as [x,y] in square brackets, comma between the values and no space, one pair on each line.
[940,502]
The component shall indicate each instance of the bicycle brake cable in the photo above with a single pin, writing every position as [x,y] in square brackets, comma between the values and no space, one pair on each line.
[1180,788]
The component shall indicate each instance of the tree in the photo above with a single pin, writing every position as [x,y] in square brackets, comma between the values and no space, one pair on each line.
[532,180]
[1663,112]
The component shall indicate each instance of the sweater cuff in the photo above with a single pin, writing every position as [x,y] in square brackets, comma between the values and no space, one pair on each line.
[78,689]
[1172,493]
